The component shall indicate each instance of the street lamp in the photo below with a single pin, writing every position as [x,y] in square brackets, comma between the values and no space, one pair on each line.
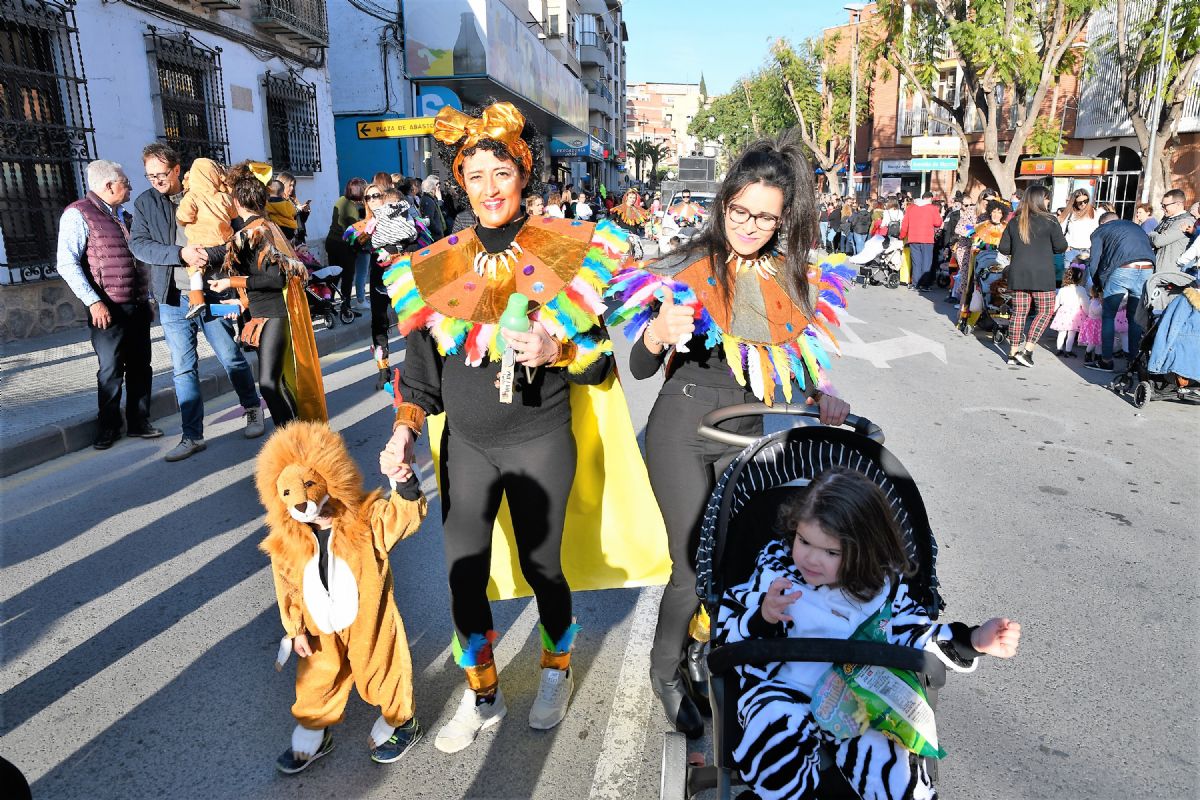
[855,10]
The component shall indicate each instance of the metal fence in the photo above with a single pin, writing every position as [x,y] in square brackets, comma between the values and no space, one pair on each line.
[46,135]
[292,123]
[190,96]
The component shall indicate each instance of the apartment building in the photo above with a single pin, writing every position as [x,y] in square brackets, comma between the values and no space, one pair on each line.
[225,79]
[660,113]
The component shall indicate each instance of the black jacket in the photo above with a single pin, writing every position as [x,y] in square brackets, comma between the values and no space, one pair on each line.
[431,208]
[1116,244]
[1032,267]
[152,240]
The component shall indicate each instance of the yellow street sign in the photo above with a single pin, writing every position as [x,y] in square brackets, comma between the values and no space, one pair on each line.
[395,128]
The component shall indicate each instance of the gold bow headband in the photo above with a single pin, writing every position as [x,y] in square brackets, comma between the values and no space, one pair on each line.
[500,122]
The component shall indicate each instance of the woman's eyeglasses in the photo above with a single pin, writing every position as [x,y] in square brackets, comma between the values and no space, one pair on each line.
[373,196]
[764,222]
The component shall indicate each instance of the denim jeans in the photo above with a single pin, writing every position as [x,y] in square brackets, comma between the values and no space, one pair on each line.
[1123,281]
[921,258]
[824,232]
[860,241]
[180,334]
[362,271]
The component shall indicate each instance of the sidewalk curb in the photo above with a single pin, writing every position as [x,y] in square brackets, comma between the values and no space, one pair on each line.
[36,447]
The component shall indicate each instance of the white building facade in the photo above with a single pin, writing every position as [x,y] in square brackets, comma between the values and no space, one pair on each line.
[224,79]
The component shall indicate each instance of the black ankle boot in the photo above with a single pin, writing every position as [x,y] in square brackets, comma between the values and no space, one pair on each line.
[695,675]
[681,711]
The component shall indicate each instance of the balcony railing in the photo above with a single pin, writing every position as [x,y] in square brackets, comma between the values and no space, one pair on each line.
[923,122]
[599,88]
[302,20]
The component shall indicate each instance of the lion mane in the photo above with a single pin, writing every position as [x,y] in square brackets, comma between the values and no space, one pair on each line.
[315,446]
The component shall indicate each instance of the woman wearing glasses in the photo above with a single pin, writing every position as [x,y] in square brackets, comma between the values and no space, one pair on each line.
[729,315]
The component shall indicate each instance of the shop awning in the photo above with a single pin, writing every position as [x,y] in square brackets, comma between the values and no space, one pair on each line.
[1062,167]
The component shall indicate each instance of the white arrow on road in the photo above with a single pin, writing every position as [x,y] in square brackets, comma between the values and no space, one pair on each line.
[882,352]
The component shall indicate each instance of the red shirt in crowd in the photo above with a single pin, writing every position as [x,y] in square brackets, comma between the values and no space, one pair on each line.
[920,223]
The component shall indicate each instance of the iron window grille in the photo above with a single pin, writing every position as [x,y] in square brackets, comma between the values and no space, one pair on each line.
[190,96]
[292,123]
[46,134]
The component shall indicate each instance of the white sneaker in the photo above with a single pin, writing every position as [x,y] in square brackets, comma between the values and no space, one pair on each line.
[553,695]
[468,721]
[254,423]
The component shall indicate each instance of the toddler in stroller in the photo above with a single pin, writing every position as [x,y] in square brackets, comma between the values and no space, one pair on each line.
[324,296]
[849,580]
[879,261]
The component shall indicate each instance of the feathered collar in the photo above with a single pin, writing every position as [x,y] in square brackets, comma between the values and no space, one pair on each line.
[631,216]
[561,265]
[768,341]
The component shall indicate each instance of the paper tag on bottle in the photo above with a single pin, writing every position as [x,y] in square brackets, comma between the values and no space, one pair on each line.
[507,374]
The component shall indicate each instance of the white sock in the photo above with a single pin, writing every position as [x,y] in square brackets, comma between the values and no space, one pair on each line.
[1125,342]
[1062,338]
[381,731]
[196,280]
[1071,340]
[305,743]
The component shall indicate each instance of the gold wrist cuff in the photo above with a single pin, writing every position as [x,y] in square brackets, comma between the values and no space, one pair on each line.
[237,281]
[566,354]
[411,416]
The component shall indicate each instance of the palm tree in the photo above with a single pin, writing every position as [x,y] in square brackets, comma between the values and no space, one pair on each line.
[656,153]
[640,150]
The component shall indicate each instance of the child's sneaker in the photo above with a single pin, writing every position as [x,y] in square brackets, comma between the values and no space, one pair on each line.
[473,715]
[399,743]
[289,764]
[1089,358]
[553,696]
[196,303]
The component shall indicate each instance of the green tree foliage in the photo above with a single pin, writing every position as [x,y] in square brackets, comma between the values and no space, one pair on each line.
[1134,41]
[1008,53]
[639,149]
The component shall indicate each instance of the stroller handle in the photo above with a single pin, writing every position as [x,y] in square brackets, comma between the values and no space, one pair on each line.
[709,430]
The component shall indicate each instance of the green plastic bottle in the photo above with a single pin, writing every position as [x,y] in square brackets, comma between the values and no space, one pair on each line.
[516,313]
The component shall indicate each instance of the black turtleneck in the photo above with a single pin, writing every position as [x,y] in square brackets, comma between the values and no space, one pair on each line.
[496,240]
[469,395]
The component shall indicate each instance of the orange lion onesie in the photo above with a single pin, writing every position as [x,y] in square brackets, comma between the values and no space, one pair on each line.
[329,543]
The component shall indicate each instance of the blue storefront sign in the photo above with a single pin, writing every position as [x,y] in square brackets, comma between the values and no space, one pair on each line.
[433,99]
[575,147]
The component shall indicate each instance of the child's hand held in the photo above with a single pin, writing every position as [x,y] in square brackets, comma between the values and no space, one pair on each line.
[301,646]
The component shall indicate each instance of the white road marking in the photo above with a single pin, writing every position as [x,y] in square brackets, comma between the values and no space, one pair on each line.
[619,763]
[881,352]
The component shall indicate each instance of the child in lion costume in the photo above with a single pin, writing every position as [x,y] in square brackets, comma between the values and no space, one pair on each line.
[329,543]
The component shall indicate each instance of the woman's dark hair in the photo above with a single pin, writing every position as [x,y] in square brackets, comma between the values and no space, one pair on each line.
[779,163]
[354,189]
[249,192]
[1035,202]
[382,181]
[447,152]
[849,506]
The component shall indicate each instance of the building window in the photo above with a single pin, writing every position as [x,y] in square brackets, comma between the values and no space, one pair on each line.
[46,136]
[552,30]
[292,123]
[190,96]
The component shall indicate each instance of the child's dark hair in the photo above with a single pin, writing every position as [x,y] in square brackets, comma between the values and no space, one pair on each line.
[1072,276]
[249,192]
[848,505]
[392,195]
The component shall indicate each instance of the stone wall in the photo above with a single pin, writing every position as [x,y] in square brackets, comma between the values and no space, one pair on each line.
[28,310]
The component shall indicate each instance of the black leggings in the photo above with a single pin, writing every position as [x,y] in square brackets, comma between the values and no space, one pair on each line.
[536,476]
[343,255]
[272,346]
[682,469]
[379,310]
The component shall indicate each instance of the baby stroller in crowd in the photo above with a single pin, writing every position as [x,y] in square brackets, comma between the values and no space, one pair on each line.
[1169,313]
[738,522]
[879,262]
[988,296]
[325,298]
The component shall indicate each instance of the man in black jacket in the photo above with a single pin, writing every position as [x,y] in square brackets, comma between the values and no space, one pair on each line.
[431,206]
[157,240]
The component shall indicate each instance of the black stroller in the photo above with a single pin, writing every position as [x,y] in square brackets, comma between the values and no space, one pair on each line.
[738,521]
[325,297]
[1160,291]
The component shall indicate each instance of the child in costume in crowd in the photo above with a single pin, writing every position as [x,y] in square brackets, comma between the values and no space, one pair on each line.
[1089,327]
[1070,307]
[206,214]
[841,559]
[1121,326]
[281,210]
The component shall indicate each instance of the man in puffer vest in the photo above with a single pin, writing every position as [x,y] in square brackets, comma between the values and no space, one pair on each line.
[95,261]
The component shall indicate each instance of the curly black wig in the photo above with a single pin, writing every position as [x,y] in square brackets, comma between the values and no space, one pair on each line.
[447,152]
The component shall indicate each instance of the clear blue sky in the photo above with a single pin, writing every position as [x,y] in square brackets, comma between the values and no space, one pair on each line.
[676,40]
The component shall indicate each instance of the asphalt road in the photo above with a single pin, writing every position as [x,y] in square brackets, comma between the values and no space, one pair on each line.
[139,623]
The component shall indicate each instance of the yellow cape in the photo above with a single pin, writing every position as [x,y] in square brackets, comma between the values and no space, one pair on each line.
[614,534]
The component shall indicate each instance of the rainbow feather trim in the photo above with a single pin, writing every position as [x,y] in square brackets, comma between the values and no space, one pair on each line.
[470,655]
[758,366]
[573,315]
[359,233]
[565,642]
